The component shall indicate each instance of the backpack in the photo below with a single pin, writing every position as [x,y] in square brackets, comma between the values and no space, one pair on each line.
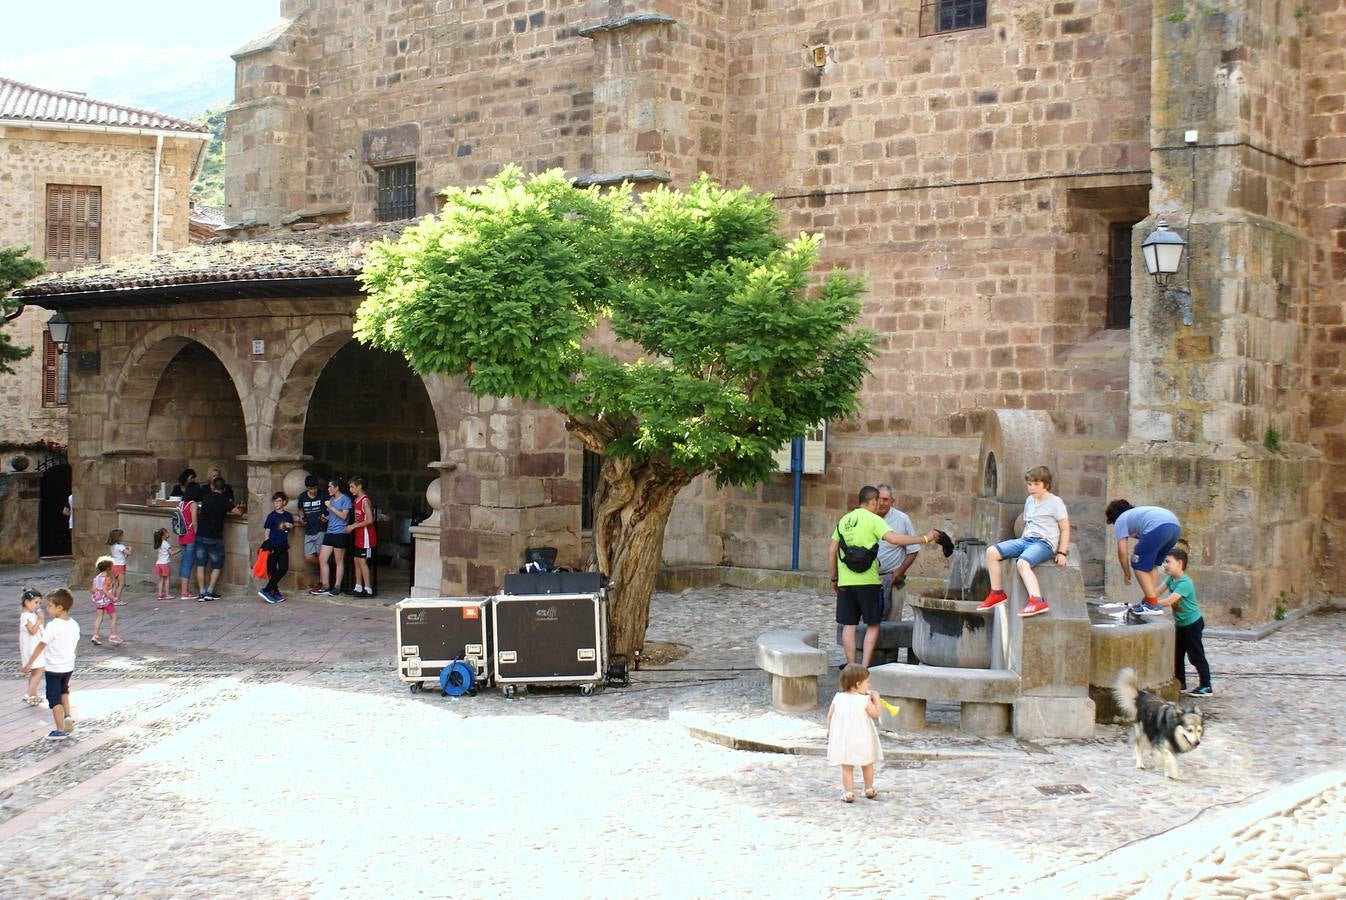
[178,524]
[857,559]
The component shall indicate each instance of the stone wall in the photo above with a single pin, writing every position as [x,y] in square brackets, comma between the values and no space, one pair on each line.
[196,420]
[123,167]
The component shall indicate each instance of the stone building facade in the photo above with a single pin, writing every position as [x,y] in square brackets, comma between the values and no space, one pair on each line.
[990,167]
[81,181]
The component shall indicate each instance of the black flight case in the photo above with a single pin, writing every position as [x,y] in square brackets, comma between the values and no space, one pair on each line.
[550,639]
[433,632]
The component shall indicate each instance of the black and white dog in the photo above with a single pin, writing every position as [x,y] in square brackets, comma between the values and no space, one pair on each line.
[1161,727]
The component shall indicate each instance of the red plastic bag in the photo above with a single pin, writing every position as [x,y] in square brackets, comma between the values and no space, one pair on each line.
[259,567]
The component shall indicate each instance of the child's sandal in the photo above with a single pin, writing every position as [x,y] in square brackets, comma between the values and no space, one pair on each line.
[848,797]
[871,794]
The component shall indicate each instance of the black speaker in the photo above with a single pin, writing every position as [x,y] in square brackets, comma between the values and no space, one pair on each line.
[553,583]
[550,638]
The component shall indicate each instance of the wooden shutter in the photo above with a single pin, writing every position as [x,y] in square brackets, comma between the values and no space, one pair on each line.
[50,371]
[74,223]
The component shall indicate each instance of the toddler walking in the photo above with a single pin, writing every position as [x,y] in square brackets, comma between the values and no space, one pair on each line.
[163,549]
[30,634]
[104,601]
[852,738]
[119,552]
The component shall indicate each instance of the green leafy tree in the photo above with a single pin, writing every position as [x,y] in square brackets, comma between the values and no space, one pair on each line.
[209,187]
[16,267]
[722,345]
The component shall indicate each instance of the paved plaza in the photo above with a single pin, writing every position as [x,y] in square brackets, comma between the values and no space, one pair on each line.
[240,749]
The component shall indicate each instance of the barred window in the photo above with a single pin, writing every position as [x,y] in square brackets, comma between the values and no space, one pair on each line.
[939,16]
[1119,275]
[397,192]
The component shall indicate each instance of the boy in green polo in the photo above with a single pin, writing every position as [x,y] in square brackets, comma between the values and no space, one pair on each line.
[1180,593]
[859,591]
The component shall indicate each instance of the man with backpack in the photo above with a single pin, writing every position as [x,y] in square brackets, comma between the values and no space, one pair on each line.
[853,567]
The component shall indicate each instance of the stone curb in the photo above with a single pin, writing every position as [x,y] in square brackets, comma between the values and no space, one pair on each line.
[711,729]
[1168,855]
[1267,629]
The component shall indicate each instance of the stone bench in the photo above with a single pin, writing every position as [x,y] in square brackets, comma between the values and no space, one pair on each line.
[893,636]
[792,658]
[985,695]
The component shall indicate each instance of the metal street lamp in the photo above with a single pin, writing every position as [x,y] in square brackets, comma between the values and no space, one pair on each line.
[59,326]
[1163,251]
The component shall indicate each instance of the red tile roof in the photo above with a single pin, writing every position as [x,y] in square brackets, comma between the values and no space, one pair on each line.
[329,251]
[23,102]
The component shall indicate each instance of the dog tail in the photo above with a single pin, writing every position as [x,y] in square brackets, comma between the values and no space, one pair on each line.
[1126,690]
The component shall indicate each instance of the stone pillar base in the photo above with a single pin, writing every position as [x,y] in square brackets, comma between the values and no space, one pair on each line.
[798,694]
[910,715]
[1053,717]
[984,719]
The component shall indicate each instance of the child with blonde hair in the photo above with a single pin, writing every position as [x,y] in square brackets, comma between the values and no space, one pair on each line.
[30,634]
[104,601]
[163,549]
[852,738]
[119,552]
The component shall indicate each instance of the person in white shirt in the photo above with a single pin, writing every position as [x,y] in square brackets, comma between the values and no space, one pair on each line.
[60,637]
[1046,536]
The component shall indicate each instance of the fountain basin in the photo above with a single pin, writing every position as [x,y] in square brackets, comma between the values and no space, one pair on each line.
[1118,642]
[950,633]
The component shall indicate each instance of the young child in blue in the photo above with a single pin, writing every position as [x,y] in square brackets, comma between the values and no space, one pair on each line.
[278,524]
[1046,536]
[1179,593]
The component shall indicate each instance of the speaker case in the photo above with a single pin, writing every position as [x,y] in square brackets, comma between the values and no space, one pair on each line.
[556,639]
[432,632]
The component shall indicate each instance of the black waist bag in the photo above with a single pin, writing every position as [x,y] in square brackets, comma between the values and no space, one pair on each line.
[857,559]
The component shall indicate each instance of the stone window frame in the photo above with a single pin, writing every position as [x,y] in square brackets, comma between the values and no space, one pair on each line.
[410,165]
[942,16]
[110,223]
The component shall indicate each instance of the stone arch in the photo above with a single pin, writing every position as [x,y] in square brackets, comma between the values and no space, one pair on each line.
[135,385]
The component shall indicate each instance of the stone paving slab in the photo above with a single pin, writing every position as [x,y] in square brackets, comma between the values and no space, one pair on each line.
[251,771]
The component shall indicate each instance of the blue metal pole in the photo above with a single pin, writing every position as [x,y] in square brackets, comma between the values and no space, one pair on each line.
[797,470]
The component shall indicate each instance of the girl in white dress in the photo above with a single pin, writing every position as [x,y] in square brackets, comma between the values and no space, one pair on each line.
[30,634]
[852,738]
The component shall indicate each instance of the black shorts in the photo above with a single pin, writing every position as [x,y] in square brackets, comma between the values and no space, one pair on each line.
[339,541]
[58,683]
[362,553]
[859,601]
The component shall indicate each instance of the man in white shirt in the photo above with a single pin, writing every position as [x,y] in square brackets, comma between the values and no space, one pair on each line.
[894,560]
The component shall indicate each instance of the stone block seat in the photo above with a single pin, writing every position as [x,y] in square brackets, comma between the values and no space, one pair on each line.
[790,656]
[985,695]
[893,636]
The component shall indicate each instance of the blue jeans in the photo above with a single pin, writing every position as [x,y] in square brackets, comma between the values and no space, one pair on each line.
[1034,551]
[210,550]
[188,560]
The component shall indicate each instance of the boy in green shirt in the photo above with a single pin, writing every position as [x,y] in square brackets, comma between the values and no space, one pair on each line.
[1179,593]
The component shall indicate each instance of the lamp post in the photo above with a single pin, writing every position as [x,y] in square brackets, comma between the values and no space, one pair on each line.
[59,326]
[1163,251]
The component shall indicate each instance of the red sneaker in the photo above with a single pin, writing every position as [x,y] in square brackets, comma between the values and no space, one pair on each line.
[1034,606]
[995,598]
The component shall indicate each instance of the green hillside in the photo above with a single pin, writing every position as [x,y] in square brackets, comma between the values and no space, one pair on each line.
[209,187]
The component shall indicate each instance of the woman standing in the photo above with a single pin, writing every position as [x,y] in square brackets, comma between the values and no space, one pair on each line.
[334,542]
[364,537]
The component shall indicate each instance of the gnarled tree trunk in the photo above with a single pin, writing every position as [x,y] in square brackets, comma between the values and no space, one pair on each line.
[633,504]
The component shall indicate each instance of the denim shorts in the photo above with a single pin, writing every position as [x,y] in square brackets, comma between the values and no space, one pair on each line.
[1153,546]
[1034,551]
[210,550]
[188,560]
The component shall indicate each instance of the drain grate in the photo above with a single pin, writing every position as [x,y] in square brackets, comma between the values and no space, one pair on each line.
[1060,790]
[904,763]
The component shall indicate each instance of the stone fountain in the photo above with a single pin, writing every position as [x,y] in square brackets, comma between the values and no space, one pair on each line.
[1049,676]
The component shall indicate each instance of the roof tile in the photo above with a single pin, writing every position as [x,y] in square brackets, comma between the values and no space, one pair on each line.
[24,102]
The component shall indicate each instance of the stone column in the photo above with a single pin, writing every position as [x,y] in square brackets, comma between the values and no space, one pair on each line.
[432,576]
[1218,414]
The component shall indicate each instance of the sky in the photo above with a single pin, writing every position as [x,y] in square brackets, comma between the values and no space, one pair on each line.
[171,56]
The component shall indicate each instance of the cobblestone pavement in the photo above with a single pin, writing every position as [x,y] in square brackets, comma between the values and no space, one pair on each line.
[259,750]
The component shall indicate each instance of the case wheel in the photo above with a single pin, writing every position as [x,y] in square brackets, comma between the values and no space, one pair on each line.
[586,690]
[415,687]
[511,691]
